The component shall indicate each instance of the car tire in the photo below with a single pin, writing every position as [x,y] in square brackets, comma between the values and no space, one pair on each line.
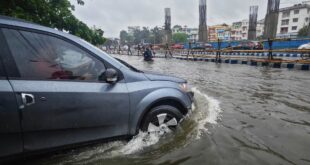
[161,120]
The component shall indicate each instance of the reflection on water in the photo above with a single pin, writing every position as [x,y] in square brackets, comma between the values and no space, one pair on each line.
[243,115]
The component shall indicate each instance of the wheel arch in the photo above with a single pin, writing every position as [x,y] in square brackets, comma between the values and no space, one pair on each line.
[181,102]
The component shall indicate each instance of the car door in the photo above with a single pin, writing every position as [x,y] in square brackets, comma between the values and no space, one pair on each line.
[63,100]
[10,131]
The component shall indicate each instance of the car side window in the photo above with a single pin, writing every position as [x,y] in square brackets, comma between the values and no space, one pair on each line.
[40,56]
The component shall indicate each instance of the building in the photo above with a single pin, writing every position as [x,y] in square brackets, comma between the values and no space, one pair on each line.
[292,19]
[239,30]
[222,32]
[191,32]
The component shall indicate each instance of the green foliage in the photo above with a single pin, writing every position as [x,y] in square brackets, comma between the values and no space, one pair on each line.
[123,37]
[179,37]
[304,32]
[54,14]
[145,35]
[157,34]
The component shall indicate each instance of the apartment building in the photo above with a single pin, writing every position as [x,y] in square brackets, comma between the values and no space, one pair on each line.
[292,19]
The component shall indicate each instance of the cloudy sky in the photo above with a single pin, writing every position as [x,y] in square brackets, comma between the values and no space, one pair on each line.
[115,15]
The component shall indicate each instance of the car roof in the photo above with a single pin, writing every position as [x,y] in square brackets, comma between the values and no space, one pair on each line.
[10,21]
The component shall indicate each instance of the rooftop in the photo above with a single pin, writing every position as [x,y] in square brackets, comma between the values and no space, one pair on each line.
[295,7]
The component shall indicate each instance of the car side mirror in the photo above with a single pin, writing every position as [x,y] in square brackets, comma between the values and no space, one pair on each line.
[110,75]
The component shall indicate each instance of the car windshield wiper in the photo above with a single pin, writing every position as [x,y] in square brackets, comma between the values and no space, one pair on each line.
[129,66]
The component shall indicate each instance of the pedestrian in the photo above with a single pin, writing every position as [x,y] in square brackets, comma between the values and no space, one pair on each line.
[167,50]
[119,49]
[152,50]
[129,50]
[115,49]
[139,49]
[189,48]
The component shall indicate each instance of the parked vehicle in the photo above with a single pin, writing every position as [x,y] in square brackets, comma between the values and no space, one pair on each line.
[305,56]
[177,46]
[201,45]
[249,45]
[304,46]
[58,90]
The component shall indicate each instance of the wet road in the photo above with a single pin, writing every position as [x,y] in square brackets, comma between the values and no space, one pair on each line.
[243,115]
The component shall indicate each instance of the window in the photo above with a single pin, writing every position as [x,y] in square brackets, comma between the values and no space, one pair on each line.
[286,14]
[296,11]
[284,30]
[39,56]
[295,19]
[285,22]
[307,19]
[294,28]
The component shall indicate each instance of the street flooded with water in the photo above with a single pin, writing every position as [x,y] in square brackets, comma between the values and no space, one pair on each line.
[242,115]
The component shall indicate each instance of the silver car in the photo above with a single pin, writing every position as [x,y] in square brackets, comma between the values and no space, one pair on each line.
[57,90]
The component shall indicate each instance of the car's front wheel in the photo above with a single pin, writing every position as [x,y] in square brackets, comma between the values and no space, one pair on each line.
[161,120]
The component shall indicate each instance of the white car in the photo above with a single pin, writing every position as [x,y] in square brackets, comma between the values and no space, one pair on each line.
[304,46]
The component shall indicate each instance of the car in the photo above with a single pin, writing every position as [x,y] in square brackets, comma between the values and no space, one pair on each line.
[304,46]
[57,90]
[201,45]
[177,46]
[249,45]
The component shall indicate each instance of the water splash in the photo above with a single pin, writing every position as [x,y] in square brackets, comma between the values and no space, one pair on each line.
[205,110]
[139,142]
[208,111]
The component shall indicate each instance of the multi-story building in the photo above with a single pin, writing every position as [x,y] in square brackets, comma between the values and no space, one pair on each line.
[292,19]
[191,32]
[221,32]
[239,30]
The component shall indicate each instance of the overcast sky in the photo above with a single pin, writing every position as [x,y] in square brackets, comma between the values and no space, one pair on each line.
[116,15]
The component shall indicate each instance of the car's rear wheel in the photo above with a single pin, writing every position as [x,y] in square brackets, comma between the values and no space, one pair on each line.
[161,120]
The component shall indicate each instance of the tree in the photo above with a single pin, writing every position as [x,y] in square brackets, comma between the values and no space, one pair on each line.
[179,37]
[304,32]
[157,34]
[123,37]
[52,13]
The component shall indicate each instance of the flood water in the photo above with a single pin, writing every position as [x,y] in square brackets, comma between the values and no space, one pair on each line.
[242,115]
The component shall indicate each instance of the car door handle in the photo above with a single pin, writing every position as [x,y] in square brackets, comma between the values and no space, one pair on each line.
[28,99]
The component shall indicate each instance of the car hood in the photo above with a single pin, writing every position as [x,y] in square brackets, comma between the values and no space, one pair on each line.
[153,76]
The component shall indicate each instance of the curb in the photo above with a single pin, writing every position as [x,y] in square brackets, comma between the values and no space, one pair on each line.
[294,55]
[295,66]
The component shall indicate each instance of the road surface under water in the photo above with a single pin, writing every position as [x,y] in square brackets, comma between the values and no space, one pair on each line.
[242,115]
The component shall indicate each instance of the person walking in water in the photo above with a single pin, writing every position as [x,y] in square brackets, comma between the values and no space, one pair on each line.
[167,51]
[139,49]
[152,50]
[189,48]
[129,50]
[119,49]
